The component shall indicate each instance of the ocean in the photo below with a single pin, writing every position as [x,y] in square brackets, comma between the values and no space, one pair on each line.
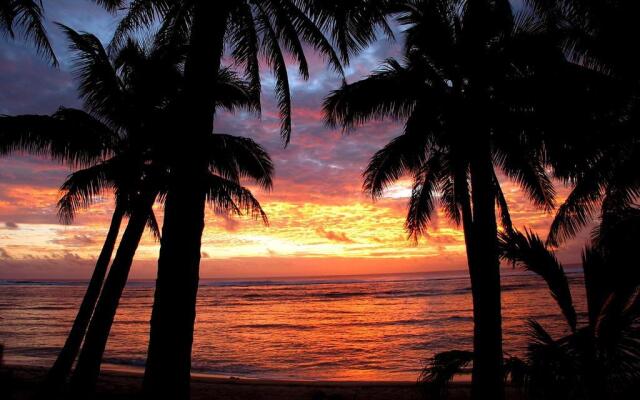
[356,328]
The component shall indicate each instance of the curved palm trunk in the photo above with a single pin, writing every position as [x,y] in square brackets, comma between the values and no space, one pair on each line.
[484,268]
[60,370]
[87,370]
[168,368]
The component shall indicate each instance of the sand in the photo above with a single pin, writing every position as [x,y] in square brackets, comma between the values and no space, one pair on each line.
[20,382]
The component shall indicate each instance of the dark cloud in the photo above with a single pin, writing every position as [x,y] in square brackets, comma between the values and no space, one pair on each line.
[11,225]
[334,236]
[72,257]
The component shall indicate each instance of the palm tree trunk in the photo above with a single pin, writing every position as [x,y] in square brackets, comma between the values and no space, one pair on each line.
[87,370]
[487,375]
[60,370]
[168,369]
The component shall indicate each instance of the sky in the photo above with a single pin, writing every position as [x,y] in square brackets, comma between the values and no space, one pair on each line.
[321,222]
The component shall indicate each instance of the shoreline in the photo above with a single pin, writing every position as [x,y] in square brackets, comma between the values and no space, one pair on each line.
[22,381]
[129,369]
[126,383]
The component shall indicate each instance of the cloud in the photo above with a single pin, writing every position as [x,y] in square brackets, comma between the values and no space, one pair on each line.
[230,224]
[334,236]
[75,240]
[72,257]
[11,225]
[4,255]
[272,253]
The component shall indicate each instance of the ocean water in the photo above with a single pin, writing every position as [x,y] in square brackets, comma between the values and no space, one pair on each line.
[338,328]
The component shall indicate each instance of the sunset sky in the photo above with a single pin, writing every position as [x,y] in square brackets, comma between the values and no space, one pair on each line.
[321,222]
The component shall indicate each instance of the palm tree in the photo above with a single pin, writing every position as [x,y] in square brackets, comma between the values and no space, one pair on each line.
[598,360]
[126,94]
[601,359]
[248,29]
[26,16]
[68,132]
[601,163]
[473,92]
[230,159]
[77,138]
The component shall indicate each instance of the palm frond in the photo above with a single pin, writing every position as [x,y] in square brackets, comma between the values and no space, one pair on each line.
[229,198]
[235,157]
[390,92]
[99,84]
[154,227]
[273,54]
[529,172]
[311,34]
[530,252]
[352,24]
[233,93]
[25,17]
[246,45]
[140,14]
[69,135]
[503,206]
[441,369]
[578,209]
[111,5]
[81,189]
[404,154]
[423,201]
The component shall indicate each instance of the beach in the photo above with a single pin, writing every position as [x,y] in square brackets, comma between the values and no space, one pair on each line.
[123,384]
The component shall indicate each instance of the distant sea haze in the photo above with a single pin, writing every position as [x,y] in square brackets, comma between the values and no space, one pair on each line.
[378,327]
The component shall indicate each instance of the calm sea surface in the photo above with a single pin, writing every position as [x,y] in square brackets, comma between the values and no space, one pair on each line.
[342,328]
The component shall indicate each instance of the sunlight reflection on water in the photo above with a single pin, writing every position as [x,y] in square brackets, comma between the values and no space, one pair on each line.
[355,328]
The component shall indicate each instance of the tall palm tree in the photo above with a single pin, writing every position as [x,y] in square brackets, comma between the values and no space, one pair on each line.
[126,95]
[74,137]
[248,29]
[24,17]
[231,158]
[80,189]
[114,92]
[472,90]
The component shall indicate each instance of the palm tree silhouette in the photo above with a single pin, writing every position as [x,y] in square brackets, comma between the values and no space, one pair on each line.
[603,166]
[248,29]
[74,137]
[24,17]
[598,360]
[110,98]
[229,159]
[126,95]
[471,91]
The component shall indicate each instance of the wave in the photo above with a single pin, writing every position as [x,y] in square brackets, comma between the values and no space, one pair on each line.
[276,326]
